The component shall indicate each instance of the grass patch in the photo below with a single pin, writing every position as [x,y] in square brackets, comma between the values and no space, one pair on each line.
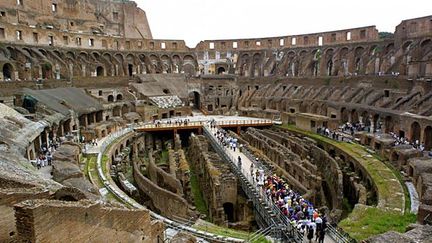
[389,189]
[215,229]
[163,158]
[365,222]
[93,175]
[200,204]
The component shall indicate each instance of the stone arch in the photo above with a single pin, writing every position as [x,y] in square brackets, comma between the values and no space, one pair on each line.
[428,137]
[120,71]
[388,124]
[221,70]
[358,59]
[415,131]
[329,61]
[195,99]
[189,65]
[314,68]
[100,71]
[125,109]
[256,65]
[155,66]
[110,98]
[116,111]
[166,64]
[229,211]
[365,118]
[8,72]
[292,66]
[119,97]
[344,115]
[244,65]
[130,60]
[354,116]
[176,63]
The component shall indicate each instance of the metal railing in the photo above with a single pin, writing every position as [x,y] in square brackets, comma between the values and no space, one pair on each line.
[268,212]
[337,235]
[172,124]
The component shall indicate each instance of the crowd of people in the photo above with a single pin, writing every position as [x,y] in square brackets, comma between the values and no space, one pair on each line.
[45,155]
[177,122]
[402,140]
[225,139]
[299,211]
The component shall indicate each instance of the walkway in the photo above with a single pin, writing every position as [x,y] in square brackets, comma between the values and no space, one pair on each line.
[413,196]
[246,163]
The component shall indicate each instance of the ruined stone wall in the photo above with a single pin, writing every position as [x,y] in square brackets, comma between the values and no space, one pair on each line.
[10,197]
[162,178]
[167,203]
[218,184]
[320,163]
[85,221]
[112,18]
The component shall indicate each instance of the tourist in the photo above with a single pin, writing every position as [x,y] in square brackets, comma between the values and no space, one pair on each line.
[239,163]
[321,236]
[310,233]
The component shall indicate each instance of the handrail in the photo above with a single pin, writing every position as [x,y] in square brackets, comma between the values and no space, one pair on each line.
[281,226]
[333,232]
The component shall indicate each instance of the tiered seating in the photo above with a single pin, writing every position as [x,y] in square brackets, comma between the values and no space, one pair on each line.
[167,101]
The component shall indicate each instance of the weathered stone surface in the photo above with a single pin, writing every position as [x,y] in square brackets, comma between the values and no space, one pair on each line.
[84,221]
[421,233]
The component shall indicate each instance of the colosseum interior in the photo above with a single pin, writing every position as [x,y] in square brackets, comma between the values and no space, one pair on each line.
[109,135]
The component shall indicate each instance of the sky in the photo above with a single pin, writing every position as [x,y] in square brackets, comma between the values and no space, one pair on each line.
[196,20]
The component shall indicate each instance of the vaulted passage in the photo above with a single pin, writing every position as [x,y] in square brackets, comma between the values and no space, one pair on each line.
[7,71]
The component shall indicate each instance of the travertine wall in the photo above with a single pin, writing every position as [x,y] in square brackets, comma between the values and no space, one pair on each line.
[85,221]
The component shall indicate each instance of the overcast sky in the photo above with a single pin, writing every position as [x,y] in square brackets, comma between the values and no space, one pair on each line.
[196,20]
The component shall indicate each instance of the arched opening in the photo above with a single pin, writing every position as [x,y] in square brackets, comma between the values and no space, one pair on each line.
[229,211]
[354,116]
[221,70]
[67,198]
[344,115]
[125,109]
[428,138]
[46,70]
[195,99]
[415,131]
[110,98]
[116,111]
[329,68]
[119,97]
[130,69]
[7,72]
[388,124]
[100,71]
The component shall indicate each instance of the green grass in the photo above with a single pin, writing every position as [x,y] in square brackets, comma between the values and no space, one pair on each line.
[164,158]
[389,189]
[92,174]
[215,229]
[365,222]
[200,204]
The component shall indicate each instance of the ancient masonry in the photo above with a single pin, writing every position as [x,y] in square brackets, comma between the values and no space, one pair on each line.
[76,72]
